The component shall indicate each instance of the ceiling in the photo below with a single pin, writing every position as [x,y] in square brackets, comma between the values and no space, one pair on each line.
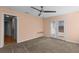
[60,10]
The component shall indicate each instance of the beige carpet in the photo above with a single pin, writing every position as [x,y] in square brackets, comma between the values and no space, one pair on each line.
[42,45]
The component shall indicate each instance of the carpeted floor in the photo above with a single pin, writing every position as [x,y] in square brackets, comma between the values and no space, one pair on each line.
[42,45]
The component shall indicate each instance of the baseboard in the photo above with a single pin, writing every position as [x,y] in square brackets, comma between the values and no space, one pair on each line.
[76,42]
[29,39]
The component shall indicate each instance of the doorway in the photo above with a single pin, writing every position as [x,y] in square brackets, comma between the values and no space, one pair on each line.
[57,29]
[10,29]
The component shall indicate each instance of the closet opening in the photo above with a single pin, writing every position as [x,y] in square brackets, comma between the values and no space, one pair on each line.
[10,29]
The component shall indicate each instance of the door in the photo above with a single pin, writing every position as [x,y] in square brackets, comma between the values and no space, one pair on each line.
[54,29]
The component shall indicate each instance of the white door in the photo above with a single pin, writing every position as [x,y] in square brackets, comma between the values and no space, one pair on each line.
[54,29]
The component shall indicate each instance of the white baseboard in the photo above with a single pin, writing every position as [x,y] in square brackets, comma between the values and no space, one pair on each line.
[28,39]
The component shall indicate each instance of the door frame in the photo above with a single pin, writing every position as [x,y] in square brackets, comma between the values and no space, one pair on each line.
[2,33]
[10,25]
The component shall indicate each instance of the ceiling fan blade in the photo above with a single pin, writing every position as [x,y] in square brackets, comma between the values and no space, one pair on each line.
[35,8]
[39,14]
[49,11]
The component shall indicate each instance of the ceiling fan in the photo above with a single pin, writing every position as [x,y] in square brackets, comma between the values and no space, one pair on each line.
[42,10]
